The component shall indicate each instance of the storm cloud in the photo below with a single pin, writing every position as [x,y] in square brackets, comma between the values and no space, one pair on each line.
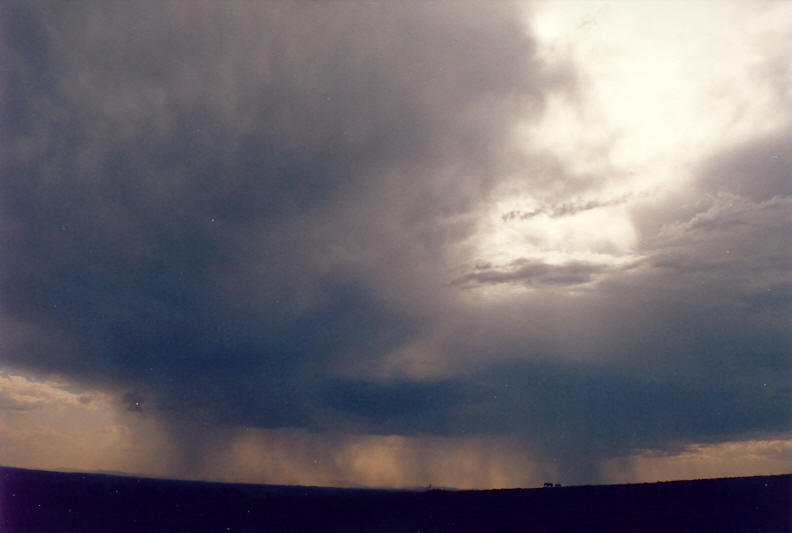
[261,215]
[215,211]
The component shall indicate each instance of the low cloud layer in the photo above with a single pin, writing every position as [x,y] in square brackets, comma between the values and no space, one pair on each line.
[267,216]
[530,272]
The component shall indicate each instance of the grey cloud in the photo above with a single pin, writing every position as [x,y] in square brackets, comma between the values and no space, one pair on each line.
[534,272]
[753,170]
[689,344]
[133,400]
[213,204]
[394,407]
[576,415]
[564,209]
[226,207]
[758,169]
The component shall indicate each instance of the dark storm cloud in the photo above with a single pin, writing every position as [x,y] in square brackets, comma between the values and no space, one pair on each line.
[690,343]
[399,406]
[231,208]
[133,400]
[212,203]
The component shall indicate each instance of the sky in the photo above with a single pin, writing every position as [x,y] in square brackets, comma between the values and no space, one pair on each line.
[394,244]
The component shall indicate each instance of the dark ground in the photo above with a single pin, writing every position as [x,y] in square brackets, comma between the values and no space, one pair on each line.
[37,501]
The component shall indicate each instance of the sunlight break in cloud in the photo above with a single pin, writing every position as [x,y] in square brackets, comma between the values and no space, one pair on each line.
[659,86]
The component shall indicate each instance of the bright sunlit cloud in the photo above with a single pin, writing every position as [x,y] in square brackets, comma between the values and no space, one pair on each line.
[660,86]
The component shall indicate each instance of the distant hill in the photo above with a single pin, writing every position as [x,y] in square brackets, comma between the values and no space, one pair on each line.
[34,501]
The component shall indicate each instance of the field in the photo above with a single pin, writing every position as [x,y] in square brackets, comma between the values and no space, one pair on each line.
[34,501]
